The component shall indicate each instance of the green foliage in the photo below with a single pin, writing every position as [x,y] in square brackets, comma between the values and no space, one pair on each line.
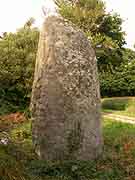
[119,83]
[86,14]
[103,29]
[121,106]
[17,59]
[17,160]
[129,56]
[111,27]
[115,104]
[10,170]
[18,53]
[115,63]
[22,133]
[10,166]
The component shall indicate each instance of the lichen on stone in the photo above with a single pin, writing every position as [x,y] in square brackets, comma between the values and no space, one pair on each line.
[65,100]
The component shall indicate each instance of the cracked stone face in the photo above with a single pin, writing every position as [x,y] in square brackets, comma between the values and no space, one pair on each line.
[65,102]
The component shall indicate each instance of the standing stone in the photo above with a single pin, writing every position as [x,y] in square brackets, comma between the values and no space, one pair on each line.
[65,99]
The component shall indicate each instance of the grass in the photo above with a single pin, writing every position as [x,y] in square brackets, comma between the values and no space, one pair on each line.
[122,106]
[18,161]
[122,113]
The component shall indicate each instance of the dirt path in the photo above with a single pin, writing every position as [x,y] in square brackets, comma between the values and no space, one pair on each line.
[120,118]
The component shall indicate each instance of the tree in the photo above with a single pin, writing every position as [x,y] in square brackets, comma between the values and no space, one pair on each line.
[17,59]
[103,29]
[129,55]
[29,23]
[120,83]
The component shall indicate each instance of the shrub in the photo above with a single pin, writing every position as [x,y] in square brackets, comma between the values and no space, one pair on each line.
[119,83]
[118,104]
[17,59]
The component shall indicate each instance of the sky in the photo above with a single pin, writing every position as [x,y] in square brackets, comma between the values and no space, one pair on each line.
[13,14]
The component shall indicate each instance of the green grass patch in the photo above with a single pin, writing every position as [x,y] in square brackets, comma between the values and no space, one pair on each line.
[17,159]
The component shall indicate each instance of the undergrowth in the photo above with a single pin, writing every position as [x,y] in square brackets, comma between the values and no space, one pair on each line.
[19,162]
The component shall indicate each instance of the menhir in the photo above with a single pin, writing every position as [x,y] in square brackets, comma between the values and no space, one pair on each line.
[66,122]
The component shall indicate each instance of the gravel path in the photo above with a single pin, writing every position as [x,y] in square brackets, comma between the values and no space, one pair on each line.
[120,118]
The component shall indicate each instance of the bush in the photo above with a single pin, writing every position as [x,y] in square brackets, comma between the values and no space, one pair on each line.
[118,104]
[10,169]
[119,83]
[17,60]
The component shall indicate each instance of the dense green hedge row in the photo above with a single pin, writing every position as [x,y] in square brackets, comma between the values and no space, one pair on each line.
[117,104]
